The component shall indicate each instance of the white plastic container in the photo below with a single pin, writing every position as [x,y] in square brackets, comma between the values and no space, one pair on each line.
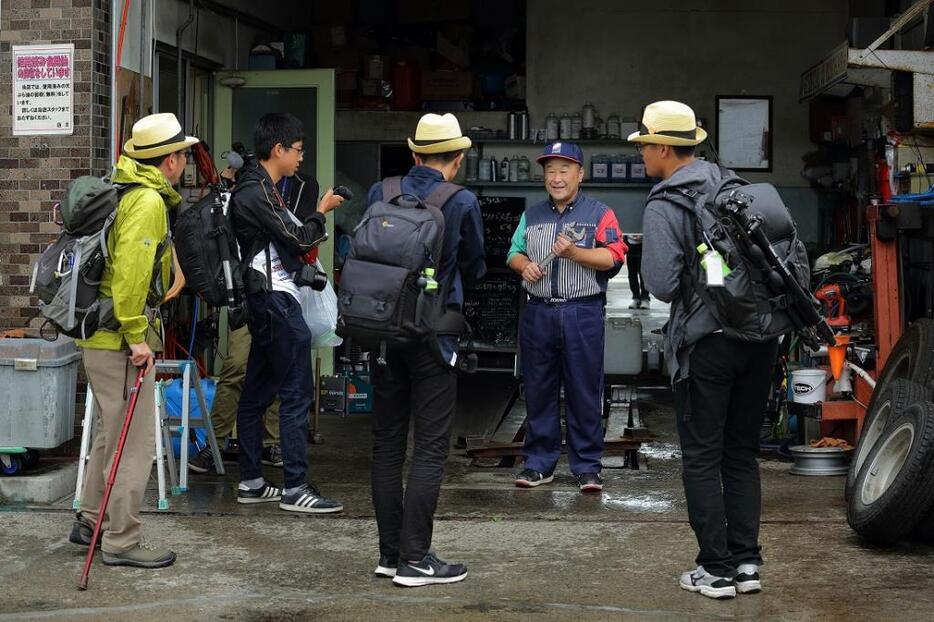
[37,392]
[809,386]
[622,353]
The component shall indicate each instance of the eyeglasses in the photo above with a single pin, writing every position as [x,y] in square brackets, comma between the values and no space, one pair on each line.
[300,150]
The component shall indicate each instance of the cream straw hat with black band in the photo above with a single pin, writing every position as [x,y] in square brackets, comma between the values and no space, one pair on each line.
[438,134]
[157,135]
[669,123]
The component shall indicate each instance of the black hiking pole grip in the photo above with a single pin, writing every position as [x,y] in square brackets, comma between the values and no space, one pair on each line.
[111,478]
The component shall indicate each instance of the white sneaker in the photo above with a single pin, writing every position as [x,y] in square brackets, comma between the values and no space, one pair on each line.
[646,303]
[708,585]
[747,579]
[635,304]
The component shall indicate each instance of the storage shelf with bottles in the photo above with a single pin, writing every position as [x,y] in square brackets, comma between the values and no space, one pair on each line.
[619,142]
[539,183]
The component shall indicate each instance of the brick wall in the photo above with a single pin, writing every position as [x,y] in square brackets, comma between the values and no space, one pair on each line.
[34,170]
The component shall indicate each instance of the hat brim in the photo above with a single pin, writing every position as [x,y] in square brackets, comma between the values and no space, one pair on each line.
[155,152]
[441,146]
[548,156]
[662,139]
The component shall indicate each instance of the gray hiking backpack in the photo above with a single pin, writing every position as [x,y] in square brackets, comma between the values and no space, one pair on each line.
[754,303]
[388,294]
[67,276]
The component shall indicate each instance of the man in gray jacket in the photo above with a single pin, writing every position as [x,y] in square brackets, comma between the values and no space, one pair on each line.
[721,384]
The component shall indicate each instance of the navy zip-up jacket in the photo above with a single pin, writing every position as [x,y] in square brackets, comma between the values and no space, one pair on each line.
[462,256]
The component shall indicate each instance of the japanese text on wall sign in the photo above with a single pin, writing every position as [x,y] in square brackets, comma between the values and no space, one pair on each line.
[43,93]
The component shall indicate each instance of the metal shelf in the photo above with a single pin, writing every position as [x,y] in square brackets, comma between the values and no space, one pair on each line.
[540,184]
[538,143]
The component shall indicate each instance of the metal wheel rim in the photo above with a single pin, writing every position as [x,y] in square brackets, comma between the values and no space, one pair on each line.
[887,463]
[873,434]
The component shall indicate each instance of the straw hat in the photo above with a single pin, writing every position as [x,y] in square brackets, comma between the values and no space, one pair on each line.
[438,134]
[668,123]
[157,135]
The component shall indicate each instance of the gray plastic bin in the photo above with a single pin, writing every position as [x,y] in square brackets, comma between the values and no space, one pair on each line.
[37,392]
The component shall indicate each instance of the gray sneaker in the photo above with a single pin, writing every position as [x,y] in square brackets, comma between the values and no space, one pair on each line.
[143,555]
[707,584]
[747,579]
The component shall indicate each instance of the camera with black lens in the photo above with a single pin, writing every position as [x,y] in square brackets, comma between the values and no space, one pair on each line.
[310,276]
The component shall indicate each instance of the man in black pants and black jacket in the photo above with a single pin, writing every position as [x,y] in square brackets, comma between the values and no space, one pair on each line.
[272,242]
[721,384]
[419,382]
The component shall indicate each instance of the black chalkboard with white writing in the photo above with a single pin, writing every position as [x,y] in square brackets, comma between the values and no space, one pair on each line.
[500,218]
[492,306]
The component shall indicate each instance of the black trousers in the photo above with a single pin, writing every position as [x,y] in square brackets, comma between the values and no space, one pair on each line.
[634,266]
[414,384]
[720,411]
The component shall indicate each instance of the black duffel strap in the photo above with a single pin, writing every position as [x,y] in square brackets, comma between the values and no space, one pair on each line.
[776,303]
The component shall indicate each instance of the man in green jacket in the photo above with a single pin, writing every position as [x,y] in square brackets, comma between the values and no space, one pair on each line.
[136,277]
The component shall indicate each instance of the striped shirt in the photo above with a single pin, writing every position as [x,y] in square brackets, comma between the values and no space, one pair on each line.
[563,278]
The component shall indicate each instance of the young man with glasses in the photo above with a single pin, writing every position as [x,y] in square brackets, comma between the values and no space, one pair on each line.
[272,242]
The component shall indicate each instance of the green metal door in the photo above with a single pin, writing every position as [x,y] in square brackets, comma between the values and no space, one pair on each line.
[306,93]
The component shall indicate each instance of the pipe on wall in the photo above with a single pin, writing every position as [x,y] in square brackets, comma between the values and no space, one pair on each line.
[181,75]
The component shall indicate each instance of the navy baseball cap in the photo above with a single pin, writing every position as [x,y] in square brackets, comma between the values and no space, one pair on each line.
[567,151]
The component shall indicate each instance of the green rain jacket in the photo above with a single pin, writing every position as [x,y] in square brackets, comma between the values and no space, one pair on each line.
[133,276]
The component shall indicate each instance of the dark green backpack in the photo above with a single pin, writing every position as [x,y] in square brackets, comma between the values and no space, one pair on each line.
[67,276]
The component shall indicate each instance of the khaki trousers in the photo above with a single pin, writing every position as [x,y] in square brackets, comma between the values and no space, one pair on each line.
[230,385]
[112,378]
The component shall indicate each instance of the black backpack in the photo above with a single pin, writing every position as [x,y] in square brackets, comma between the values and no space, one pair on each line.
[388,293]
[68,274]
[754,304]
[207,252]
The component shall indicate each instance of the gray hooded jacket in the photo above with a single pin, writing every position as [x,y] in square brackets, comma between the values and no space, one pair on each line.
[669,238]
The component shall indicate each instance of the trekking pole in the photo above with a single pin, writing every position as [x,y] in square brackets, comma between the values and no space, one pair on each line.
[83,581]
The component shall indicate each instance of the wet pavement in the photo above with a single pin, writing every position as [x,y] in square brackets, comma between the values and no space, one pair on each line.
[544,554]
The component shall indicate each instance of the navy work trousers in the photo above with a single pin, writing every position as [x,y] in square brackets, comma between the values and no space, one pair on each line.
[562,344]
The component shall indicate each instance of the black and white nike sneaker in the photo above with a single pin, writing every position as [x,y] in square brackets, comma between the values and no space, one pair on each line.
[263,494]
[308,499]
[707,584]
[429,571]
[747,579]
[386,567]
[530,478]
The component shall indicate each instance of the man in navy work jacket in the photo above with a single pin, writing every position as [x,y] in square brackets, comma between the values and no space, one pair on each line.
[561,335]
[420,381]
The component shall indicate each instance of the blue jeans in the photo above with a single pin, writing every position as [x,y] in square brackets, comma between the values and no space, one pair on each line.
[562,344]
[279,364]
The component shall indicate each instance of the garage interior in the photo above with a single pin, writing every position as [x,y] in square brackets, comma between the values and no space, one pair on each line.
[841,94]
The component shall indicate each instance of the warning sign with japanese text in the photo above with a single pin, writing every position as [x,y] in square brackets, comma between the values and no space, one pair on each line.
[43,89]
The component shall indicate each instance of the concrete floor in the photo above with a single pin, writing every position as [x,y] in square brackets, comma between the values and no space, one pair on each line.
[543,554]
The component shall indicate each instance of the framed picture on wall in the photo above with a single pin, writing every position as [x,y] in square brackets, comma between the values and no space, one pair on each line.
[744,132]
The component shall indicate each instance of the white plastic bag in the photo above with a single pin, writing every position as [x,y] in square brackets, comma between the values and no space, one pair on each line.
[320,312]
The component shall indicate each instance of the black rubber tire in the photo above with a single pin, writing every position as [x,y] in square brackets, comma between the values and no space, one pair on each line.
[887,404]
[895,488]
[912,358]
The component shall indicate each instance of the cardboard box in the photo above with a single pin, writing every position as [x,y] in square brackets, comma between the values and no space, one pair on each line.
[359,393]
[447,85]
